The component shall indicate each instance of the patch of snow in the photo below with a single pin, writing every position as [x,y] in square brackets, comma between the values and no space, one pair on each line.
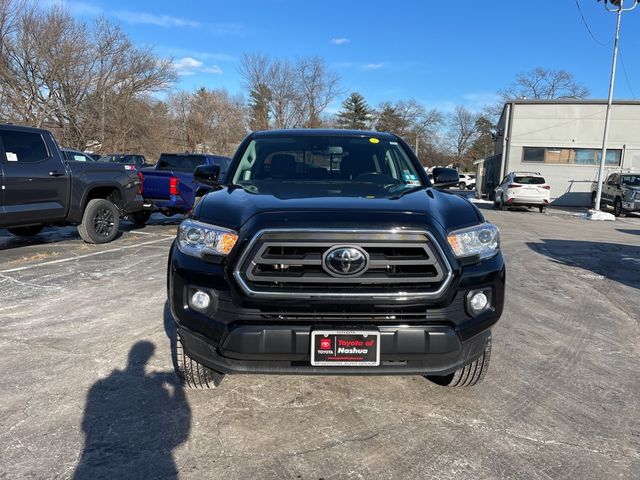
[598,215]
[480,200]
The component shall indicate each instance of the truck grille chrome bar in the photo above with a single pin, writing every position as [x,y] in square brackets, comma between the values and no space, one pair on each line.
[290,263]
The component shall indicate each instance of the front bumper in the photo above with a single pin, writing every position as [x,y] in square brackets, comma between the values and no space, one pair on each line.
[243,335]
[280,349]
[633,206]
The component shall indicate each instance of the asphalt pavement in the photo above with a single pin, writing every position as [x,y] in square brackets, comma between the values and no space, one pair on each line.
[87,389]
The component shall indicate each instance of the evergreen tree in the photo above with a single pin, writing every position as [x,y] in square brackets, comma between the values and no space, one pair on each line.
[355,112]
[390,120]
[259,105]
[484,145]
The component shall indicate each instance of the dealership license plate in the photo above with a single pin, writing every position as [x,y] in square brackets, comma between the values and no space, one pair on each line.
[338,348]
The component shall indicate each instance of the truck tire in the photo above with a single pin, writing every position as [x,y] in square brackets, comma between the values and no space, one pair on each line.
[617,207]
[192,374]
[462,185]
[140,217]
[26,231]
[100,221]
[470,374]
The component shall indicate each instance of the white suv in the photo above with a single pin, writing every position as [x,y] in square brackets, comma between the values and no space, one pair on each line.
[524,189]
[467,180]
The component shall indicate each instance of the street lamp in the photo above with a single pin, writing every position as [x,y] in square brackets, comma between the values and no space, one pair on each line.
[619,8]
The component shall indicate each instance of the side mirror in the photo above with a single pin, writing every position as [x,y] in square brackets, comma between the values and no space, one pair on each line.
[207,174]
[445,177]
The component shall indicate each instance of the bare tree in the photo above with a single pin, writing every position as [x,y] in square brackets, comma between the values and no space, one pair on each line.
[318,87]
[57,72]
[209,121]
[541,83]
[287,94]
[462,132]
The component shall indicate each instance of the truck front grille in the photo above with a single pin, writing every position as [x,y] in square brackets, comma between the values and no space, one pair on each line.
[280,263]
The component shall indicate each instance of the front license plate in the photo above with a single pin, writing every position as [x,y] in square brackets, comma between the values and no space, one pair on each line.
[337,348]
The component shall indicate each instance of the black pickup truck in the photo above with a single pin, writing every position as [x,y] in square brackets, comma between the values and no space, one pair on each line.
[39,187]
[330,252]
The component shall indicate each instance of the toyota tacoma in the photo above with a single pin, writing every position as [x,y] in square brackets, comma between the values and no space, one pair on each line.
[331,252]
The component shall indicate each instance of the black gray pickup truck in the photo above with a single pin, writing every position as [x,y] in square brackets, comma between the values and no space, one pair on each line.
[331,252]
[621,190]
[39,187]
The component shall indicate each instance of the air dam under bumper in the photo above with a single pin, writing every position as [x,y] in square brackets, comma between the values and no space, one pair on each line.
[277,349]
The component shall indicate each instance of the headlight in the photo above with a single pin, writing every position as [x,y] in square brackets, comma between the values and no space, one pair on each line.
[629,195]
[482,240]
[198,239]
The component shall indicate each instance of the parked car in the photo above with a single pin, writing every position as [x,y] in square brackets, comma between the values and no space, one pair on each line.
[522,189]
[621,191]
[467,180]
[40,187]
[137,161]
[170,188]
[76,155]
[314,256]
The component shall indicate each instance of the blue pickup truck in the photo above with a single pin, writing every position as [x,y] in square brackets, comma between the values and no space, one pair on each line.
[170,187]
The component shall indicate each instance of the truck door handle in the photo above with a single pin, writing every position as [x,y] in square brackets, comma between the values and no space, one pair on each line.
[56,173]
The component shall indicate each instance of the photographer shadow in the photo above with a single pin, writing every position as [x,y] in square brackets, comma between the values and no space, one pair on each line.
[132,422]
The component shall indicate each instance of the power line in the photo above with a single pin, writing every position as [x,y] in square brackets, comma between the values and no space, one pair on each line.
[584,20]
[626,76]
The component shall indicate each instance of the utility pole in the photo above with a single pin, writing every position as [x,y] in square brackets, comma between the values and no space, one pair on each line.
[619,4]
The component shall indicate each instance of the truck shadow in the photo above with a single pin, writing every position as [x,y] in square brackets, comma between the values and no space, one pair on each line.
[133,420]
[48,235]
[156,219]
[614,261]
[630,232]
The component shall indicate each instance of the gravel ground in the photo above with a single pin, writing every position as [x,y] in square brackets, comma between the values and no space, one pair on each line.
[87,389]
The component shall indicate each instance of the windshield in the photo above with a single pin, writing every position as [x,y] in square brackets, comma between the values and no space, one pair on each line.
[117,158]
[182,163]
[630,180]
[354,166]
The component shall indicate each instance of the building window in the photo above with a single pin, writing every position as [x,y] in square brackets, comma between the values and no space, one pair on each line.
[570,156]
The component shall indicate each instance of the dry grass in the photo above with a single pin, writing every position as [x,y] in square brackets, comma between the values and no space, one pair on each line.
[35,257]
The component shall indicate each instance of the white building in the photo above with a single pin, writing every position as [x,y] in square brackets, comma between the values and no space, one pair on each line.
[562,140]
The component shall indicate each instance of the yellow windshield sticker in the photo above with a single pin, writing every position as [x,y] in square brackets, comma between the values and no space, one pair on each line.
[374,140]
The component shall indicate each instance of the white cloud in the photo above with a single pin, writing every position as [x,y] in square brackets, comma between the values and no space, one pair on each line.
[154,19]
[340,41]
[187,63]
[212,69]
[374,66]
[83,8]
[211,56]
[190,66]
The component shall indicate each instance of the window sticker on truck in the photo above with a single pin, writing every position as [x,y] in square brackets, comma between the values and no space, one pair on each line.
[12,157]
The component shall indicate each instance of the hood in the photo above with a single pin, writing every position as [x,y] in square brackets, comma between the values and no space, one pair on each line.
[233,207]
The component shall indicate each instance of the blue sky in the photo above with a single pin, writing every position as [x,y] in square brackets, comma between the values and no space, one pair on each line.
[441,53]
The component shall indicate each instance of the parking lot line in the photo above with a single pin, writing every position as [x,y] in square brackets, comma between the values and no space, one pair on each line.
[63,260]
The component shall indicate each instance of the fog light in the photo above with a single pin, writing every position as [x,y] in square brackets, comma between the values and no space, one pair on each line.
[200,300]
[478,302]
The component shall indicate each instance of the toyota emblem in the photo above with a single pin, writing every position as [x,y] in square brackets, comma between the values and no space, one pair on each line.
[345,261]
